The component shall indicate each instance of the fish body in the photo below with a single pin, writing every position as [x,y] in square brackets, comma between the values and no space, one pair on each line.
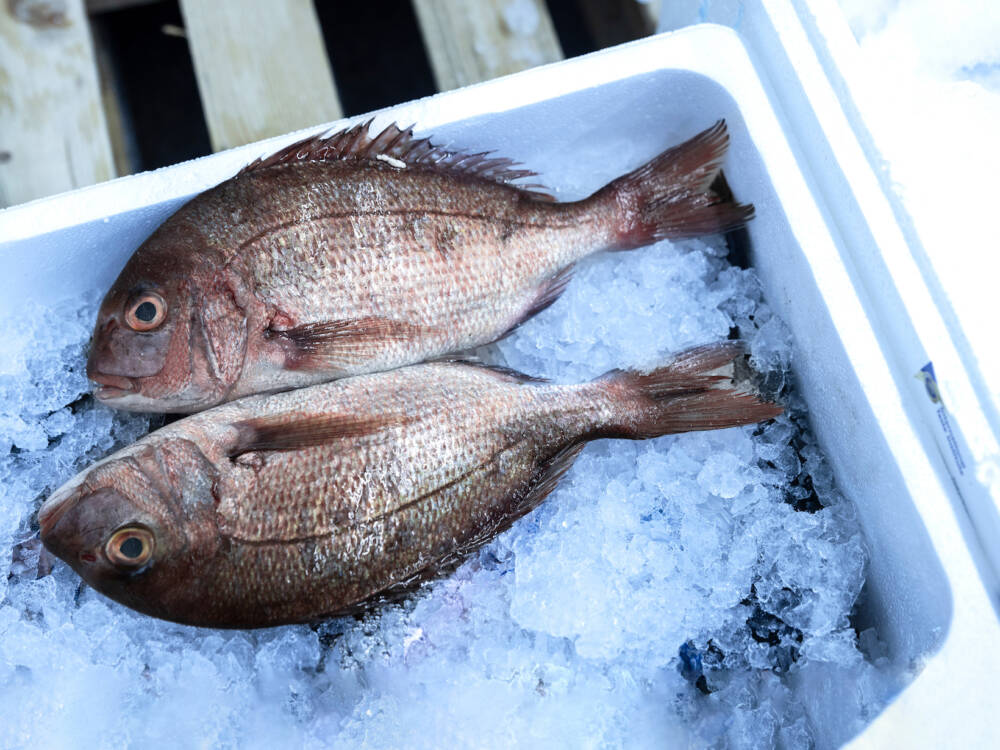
[354,254]
[315,502]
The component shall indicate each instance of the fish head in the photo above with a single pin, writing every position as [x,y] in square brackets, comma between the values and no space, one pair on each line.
[129,356]
[139,527]
[171,332]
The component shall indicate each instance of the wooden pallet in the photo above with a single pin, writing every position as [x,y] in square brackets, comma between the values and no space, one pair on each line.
[261,70]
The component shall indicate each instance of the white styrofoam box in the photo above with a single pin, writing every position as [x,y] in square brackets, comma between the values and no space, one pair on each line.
[808,58]
[856,350]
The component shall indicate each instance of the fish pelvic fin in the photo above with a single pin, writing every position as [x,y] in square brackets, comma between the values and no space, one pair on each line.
[343,344]
[696,391]
[397,148]
[670,196]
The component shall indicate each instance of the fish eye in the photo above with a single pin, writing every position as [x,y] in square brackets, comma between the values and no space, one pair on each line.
[146,311]
[130,547]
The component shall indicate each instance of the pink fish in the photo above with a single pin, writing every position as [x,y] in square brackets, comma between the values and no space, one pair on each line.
[294,506]
[352,254]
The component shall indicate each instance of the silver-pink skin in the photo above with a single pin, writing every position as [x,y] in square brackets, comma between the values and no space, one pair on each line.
[356,254]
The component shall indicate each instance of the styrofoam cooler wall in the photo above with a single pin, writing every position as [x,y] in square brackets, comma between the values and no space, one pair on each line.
[939,394]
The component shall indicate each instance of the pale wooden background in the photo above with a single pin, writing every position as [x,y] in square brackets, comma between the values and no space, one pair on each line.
[261,69]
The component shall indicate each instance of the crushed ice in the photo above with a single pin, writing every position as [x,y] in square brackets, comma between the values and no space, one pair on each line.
[693,590]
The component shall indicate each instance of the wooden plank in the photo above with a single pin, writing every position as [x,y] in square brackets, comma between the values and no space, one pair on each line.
[676,14]
[103,6]
[123,144]
[612,22]
[475,40]
[53,135]
[650,10]
[261,66]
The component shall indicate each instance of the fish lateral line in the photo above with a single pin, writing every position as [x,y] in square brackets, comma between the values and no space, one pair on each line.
[484,464]
[274,541]
[386,212]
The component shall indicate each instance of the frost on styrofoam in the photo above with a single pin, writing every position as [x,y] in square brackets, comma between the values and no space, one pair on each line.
[694,590]
[930,74]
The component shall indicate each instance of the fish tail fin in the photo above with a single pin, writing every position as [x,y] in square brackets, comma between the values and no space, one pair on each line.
[670,197]
[696,391]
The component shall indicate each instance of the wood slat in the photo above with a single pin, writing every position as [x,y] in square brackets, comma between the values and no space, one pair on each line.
[123,146]
[261,66]
[53,134]
[475,40]
[612,22]
[650,10]
[104,6]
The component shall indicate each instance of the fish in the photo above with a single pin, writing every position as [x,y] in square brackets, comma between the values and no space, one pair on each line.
[331,499]
[355,253]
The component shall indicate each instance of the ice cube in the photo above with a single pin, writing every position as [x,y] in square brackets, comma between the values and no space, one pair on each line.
[566,630]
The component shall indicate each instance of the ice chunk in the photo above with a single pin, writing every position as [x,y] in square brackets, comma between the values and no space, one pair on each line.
[724,475]
[722,563]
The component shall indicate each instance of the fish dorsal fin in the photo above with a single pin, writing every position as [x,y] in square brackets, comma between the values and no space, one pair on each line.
[293,431]
[398,148]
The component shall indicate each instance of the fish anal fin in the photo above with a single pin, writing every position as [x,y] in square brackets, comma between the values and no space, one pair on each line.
[343,343]
[544,479]
[397,148]
[547,293]
[547,477]
[550,291]
[294,431]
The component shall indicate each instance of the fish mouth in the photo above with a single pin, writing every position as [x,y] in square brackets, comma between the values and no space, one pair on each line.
[112,386]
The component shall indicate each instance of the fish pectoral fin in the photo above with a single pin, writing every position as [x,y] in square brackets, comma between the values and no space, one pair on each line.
[344,344]
[294,430]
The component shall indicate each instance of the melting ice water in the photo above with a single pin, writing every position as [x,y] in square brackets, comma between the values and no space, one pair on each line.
[693,590]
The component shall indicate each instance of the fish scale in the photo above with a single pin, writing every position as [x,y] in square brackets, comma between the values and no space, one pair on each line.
[374,253]
[428,438]
[288,507]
